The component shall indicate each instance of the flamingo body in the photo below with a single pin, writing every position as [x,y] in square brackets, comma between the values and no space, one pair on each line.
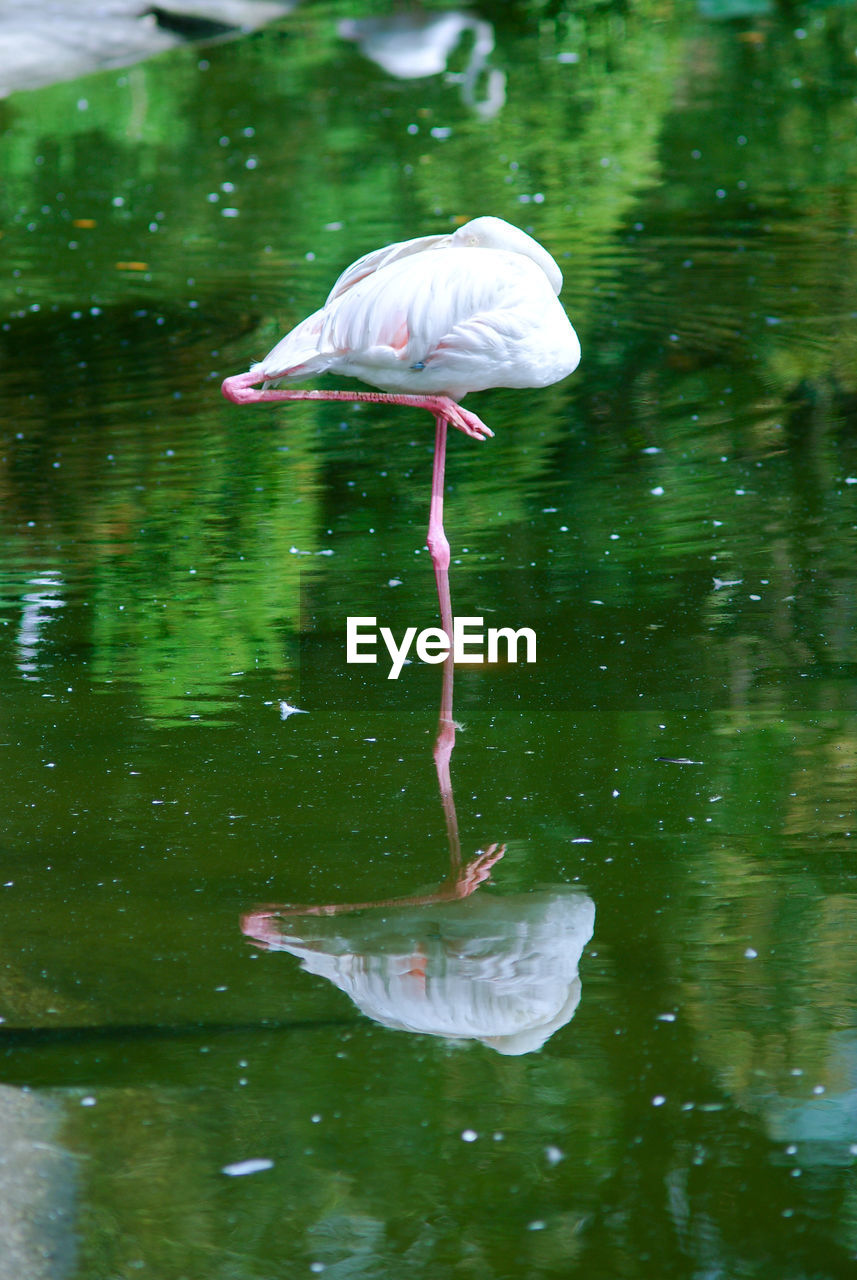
[427,321]
[440,315]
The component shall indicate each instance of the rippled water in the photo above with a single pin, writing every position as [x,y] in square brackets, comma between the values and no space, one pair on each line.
[632,1050]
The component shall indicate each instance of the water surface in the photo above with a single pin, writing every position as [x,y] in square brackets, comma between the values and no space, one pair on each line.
[675,774]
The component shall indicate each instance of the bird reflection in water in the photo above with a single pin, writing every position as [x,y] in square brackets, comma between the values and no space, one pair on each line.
[449,963]
[419,43]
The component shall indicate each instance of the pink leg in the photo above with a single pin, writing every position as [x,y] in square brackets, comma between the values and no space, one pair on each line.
[241,389]
[260,924]
[436,538]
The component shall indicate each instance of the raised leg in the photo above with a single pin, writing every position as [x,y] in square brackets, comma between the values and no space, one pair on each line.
[260,923]
[242,389]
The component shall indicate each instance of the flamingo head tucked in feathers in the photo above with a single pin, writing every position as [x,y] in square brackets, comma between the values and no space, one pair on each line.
[488,232]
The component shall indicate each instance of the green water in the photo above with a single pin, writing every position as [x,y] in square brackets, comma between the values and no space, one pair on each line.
[677,524]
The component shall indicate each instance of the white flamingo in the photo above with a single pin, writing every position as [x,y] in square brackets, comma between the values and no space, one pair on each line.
[427,321]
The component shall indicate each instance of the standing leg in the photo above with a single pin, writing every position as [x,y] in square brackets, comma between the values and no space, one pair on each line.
[436,539]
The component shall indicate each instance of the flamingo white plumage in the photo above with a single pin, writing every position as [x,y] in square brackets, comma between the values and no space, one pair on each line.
[427,321]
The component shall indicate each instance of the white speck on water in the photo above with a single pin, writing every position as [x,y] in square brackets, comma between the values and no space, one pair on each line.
[286,710]
[851,479]
[750,953]
[242,1167]
[658,1100]
[568,56]
[818,1088]
[469,1135]
[440,133]
[88,1101]
[538,1225]
[581,840]
[615,793]
[553,1155]
[394,582]
[666,1017]
[658,491]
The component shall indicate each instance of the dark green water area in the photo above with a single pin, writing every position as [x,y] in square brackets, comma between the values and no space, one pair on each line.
[632,1052]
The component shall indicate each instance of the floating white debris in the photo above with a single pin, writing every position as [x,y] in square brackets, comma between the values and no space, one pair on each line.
[469,1135]
[243,1167]
[286,710]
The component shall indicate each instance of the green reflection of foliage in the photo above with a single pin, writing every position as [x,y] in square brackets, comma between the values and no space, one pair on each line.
[224,179]
[366,1186]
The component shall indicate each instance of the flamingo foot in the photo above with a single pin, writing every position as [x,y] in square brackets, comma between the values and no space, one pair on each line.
[462,419]
[478,870]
